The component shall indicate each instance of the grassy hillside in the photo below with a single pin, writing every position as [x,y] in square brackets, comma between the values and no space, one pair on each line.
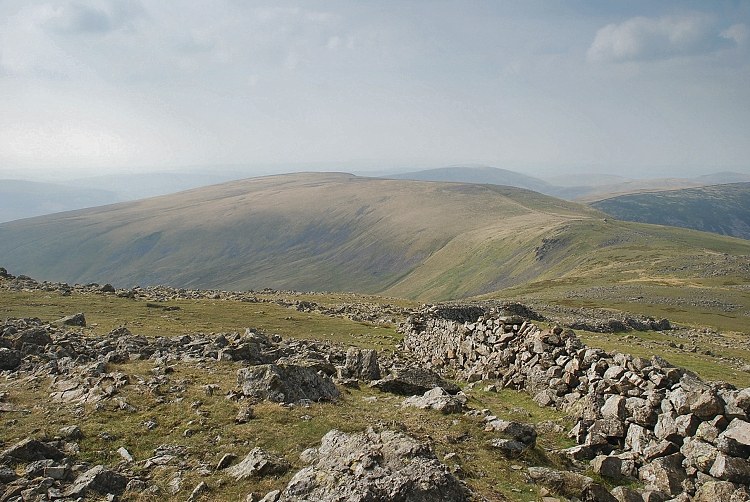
[722,209]
[305,231]
[337,232]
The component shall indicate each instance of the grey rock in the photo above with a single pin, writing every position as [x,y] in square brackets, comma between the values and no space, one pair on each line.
[666,427]
[653,496]
[7,474]
[568,484]
[641,411]
[413,382]
[741,494]
[29,450]
[199,490]
[707,432]
[665,474]
[614,407]
[73,320]
[361,364]
[225,461]
[258,463]
[71,432]
[272,496]
[285,383]
[437,399]
[125,454]
[509,447]
[660,449]
[726,468]
[638,439]
[735,440]
[244,414]
[10,359]
[387,466]
[607,466]
[713,491]
[625,494]
[525,433]
[706,405]
[742,399]
[98,479]
[698,454]
[32,336]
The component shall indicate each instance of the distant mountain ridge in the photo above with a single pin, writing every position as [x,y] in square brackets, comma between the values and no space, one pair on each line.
[339,232]
[25,199]
[481,175]
[721,209]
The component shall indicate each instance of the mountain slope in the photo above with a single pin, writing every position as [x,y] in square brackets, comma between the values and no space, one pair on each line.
[25,199]
[318,231]
[722,209]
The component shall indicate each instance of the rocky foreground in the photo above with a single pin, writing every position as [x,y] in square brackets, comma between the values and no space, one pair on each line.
[644,429]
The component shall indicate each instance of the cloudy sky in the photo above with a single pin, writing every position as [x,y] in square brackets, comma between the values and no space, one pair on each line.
[626,87]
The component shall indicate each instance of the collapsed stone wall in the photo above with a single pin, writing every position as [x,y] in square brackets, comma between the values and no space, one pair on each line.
[634,417]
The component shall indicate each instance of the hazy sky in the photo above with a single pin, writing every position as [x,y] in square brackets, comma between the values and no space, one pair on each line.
[618,86]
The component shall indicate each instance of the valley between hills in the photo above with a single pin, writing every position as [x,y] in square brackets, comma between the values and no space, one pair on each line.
[268,339]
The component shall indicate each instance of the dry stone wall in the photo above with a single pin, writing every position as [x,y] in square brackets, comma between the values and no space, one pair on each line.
[634,417]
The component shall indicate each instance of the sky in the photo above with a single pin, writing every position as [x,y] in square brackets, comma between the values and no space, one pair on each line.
[541,87]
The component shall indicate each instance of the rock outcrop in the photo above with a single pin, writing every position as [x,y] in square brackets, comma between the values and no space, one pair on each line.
[387,466]
[286,384]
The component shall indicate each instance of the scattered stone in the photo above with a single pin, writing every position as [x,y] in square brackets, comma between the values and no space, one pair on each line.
[258,463]
[437,399]
[71,432]
[125,454]
[569,484]
[361,364]
[285,384]
[199,490]
[509,447]
[73,320]
[244,414]
[225,461]
[518,431]
[413,382]
[98,479]
[29,450]
[10,359]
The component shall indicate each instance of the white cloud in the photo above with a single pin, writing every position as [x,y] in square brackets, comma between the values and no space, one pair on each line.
[739,33]
[95,16]
[644,38]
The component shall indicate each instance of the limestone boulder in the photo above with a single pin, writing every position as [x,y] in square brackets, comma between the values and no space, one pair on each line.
[258,463]
[387,466]
[285,383]
[438,399]
[413,382]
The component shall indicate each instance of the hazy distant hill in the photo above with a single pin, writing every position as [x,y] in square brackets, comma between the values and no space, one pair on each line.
[491,175]
[24,199]
[582,187]
[722,209]
[319,231]
[723,178]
